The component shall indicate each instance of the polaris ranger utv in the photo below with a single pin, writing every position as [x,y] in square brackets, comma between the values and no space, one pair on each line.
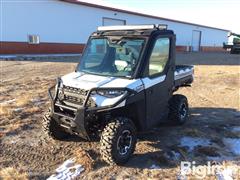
[124,84]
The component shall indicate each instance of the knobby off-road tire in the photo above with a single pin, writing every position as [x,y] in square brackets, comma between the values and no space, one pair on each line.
[51,128]
[118,141]
[232,51]
[178,109]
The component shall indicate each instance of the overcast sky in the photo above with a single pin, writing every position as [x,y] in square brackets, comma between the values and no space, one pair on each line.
[217,13]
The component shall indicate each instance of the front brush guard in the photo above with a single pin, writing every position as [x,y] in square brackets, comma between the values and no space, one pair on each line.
[78,123]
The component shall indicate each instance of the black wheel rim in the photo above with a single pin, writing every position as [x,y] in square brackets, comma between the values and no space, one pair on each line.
[183,111]
[124,142]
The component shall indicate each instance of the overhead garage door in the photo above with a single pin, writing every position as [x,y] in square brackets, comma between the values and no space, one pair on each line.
[111,21]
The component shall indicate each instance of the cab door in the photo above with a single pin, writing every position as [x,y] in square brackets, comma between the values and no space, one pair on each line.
[158,82]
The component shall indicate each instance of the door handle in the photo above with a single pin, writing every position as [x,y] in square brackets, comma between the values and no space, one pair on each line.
[150,91]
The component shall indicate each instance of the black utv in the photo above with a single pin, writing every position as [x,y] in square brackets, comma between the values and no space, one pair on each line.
[123,84]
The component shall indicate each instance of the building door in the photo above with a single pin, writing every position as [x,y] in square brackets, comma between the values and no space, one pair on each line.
[111,22]
[196,40]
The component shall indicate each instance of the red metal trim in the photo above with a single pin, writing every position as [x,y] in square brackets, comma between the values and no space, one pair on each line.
[212,49]
[64,48]
[42,48]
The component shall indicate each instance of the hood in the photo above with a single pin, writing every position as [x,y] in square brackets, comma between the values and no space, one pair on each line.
[88,81]
[84,81]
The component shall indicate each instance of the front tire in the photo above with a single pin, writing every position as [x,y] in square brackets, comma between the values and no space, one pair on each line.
[118,141]
[51,128]
[178,109]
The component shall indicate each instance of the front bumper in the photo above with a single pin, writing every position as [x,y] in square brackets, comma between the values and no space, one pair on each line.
[75,120]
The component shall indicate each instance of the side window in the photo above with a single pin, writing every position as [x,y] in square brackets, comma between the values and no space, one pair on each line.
[159,56]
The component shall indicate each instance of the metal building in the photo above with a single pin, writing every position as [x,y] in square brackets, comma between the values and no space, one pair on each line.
[63,26]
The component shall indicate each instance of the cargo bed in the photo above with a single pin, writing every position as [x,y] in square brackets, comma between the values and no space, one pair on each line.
[183,75]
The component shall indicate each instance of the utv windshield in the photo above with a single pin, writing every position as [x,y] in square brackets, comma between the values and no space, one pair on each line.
[111,57]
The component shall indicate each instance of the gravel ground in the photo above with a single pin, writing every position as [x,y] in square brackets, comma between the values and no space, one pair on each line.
[214,117]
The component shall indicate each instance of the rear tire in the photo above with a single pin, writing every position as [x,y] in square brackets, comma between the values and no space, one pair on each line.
[178,109]
[118,141]
[232,51]
[51,128]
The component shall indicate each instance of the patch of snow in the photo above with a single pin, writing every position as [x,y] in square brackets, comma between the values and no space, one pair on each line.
[68,163]
[181,177]
[8,102]
[172,155]
[176,155]
[154,166]
[192,142]
[233,144]
[67,171]
[37,101]
[226,174]
[18,109]
[236,129]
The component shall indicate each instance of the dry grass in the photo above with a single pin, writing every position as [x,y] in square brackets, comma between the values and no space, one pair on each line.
[10,173]
[34,84]
[10,111]
[23,101]
[6,111]
[2,134]
[83,158]
[12,128]
[32,110]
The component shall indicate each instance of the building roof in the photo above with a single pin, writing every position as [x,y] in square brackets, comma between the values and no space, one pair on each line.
[137,13]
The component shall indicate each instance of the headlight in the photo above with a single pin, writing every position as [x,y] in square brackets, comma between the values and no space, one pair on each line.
[111,93]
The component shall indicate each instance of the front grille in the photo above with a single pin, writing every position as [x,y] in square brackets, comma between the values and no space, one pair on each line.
[75,90]
[75,97]
[76,100]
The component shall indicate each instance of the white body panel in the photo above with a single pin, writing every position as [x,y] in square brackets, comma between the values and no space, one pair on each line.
[183,73]
[151,82]
[88,81]
[103,101]
[61,22]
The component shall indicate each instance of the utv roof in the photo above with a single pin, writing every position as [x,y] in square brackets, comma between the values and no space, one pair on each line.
[132,30]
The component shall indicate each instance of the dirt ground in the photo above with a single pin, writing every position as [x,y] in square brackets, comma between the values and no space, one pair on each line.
[214,100]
